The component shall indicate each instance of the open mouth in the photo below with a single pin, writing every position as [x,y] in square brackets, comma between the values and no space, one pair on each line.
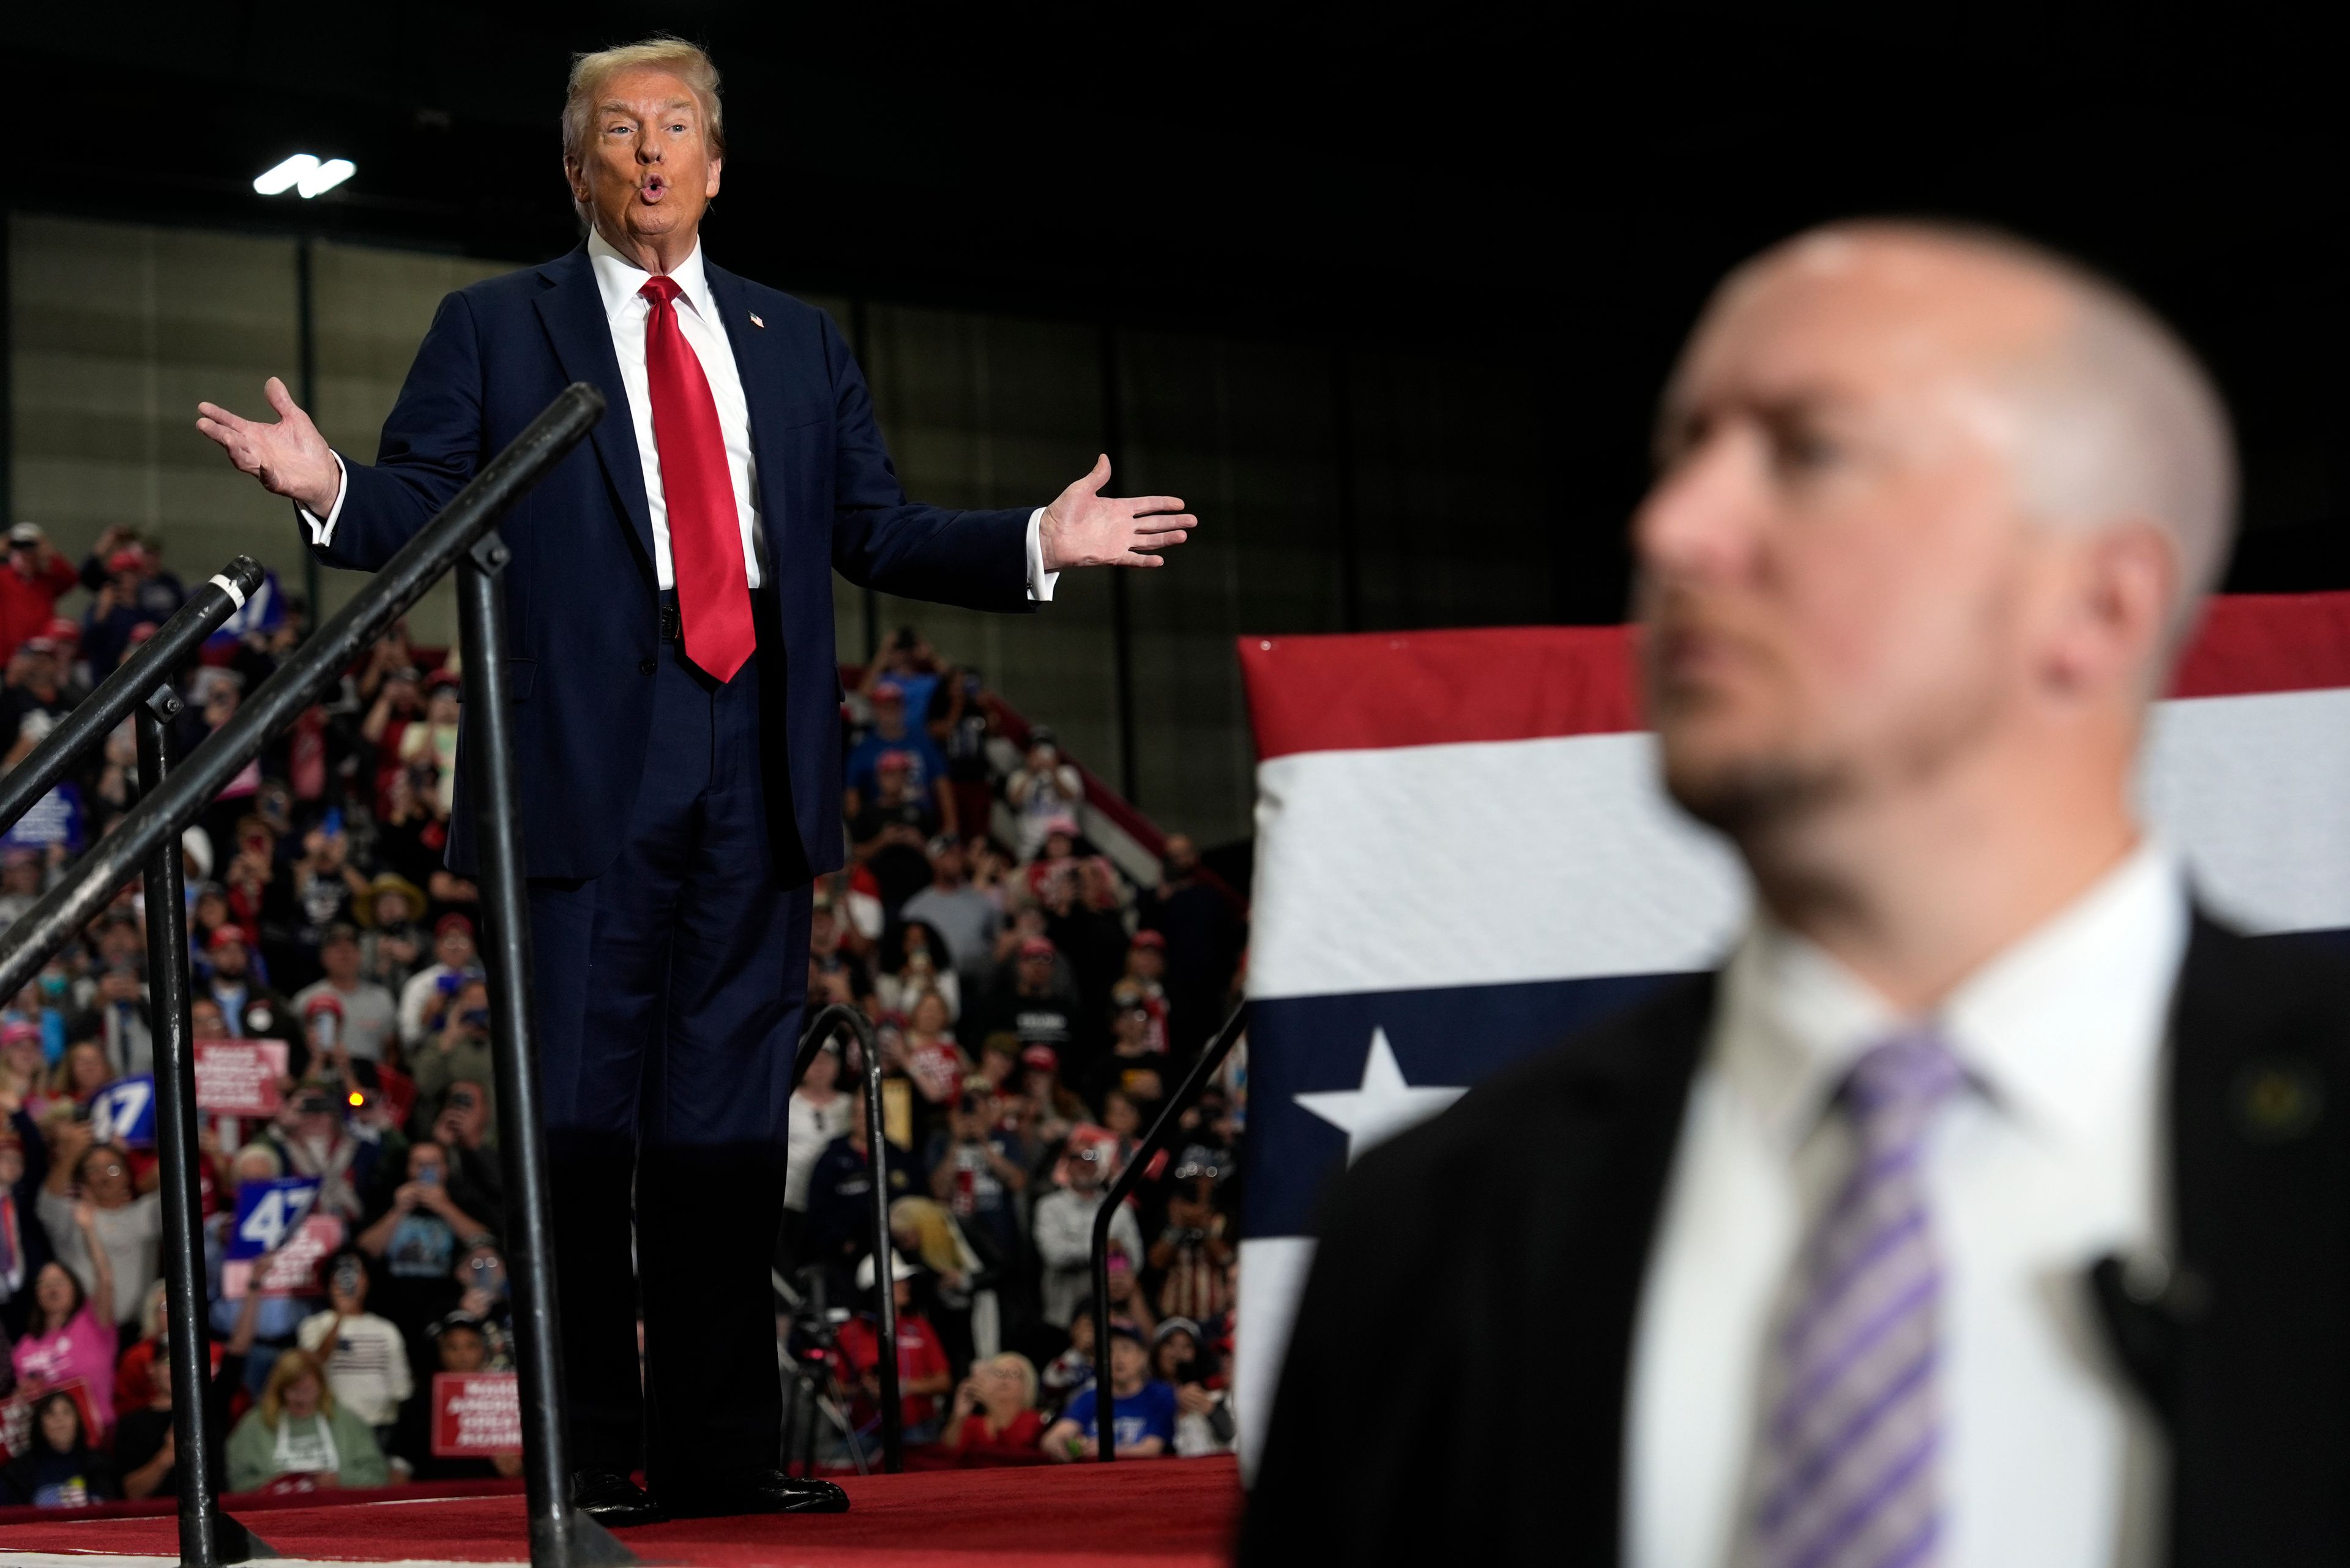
[652,188]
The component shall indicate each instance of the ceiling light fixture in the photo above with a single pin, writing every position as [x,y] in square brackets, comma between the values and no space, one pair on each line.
[282,178]
[326,177]
[307,175]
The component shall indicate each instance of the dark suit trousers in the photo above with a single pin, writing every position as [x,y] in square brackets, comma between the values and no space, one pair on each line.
[670,999]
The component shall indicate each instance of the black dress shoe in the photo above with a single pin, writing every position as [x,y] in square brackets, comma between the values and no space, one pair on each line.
[613,1501]
[766,1491]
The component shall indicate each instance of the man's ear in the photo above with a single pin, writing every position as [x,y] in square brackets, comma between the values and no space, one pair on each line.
[710,185]
[2127,579]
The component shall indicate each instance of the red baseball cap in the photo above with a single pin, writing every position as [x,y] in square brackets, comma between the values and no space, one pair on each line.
[451,921]
[224,934]
[1037,947]
[1042,1057]
[1149,939]
[129,559]
[62,629]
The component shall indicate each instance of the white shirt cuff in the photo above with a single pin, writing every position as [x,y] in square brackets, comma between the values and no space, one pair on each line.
[1040,581]
[322,533]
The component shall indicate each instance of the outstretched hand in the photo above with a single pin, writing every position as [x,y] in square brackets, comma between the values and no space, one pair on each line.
[290,458]
[1083,527]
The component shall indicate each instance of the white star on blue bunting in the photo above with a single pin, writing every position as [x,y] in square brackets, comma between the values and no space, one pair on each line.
[1383,1105]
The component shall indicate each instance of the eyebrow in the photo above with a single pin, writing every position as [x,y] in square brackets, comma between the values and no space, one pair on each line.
[616,106]
[1677,415]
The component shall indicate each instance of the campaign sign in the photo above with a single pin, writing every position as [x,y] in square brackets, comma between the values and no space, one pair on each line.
[240,1078]
[475,1415]
[276,1242]
[124,1112]
[54,819]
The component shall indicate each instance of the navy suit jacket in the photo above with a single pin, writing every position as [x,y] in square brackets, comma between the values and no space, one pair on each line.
[582,605]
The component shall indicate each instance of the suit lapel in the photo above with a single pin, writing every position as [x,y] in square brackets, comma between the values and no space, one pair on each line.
[573,311]
[757,362]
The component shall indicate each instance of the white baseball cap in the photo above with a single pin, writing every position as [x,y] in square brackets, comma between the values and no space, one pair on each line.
[899,1270]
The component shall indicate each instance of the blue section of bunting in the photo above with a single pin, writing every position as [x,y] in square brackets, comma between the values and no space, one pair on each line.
[1451,1036]
[1455,1035]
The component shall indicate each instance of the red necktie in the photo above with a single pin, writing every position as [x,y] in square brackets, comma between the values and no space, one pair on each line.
[705,535]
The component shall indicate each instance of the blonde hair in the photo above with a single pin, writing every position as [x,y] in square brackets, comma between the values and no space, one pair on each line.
[1021,1368]
[659,51]
[932,1232]
[290,1367]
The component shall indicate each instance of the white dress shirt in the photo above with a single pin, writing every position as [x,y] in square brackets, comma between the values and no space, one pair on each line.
[617,279]
[2046,1161]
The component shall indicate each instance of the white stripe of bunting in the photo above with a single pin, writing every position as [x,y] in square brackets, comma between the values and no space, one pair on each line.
[1501,862]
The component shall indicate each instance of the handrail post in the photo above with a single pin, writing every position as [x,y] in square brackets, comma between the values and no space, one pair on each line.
[1161,1134]
[560,1535]
[885,1272]
[208,1538]
[840,1016]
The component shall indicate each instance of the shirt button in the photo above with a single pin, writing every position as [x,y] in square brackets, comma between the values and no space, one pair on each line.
[645,666]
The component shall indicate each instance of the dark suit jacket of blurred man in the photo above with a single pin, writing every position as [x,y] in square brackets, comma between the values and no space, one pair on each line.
[673,826]
[1502,1440]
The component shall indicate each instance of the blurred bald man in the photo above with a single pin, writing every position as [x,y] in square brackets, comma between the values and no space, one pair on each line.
[1981,1208]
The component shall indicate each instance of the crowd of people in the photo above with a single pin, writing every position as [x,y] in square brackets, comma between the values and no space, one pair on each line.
[1035,1007]
[1035,1011]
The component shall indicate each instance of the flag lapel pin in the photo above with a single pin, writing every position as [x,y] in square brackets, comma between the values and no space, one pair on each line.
[756,321]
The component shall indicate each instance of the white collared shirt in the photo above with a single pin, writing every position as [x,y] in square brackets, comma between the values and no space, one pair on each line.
[618,279]
[2049,1159]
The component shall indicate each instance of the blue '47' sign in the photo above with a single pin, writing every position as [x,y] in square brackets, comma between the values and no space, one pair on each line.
[267,1213]
[124,1112]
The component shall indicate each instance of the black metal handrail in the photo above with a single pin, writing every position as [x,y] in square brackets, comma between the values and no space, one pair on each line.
[148,666]
[1162,1133]
[839,1015]
[143,681]
[146,841]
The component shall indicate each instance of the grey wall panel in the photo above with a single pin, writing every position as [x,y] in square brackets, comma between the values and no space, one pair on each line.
[117,330]
[372,307]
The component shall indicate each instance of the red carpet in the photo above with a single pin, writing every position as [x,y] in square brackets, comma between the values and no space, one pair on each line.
[1163,1512]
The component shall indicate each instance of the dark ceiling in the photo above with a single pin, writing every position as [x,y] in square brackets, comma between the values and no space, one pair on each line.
[1550,196]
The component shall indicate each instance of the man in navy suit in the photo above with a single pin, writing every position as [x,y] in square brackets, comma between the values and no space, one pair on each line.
[675,705]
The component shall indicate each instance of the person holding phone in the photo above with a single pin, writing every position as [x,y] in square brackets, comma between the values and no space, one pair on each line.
[457,1051]
[1046,789]
[994,1415]
[369,1016]
[365,1355]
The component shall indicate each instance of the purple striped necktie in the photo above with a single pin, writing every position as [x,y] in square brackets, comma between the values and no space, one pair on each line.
[1850,1450]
